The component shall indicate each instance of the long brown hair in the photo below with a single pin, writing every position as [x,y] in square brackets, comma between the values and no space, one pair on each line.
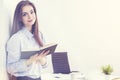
[18,24]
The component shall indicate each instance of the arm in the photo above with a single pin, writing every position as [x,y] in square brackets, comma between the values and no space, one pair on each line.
[42,37]
[14,63]
[42,58]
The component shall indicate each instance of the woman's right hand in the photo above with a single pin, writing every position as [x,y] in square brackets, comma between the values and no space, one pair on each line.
[32,59]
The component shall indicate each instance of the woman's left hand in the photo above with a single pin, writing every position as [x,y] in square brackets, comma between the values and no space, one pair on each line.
[41,57]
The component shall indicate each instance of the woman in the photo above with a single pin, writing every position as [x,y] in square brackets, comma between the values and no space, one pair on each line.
[25,35]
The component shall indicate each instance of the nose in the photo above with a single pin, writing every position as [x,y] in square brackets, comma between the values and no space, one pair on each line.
[29,16]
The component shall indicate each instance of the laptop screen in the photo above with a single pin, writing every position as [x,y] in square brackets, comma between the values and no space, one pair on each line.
[60,63]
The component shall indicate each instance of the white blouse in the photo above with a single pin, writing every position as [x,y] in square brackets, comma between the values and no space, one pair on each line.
[20,41]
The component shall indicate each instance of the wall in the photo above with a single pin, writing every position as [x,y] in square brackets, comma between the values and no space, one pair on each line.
[4,33]
[87,29]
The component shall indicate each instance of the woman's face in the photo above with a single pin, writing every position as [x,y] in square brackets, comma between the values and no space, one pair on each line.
[28,16]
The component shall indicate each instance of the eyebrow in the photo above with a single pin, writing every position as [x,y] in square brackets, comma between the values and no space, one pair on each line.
[29,11]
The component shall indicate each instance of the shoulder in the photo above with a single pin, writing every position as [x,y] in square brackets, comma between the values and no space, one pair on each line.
[41,35]
[15,37]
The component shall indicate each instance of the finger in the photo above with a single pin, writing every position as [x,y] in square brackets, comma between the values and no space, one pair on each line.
[42,52]
[34,56]
[46,53]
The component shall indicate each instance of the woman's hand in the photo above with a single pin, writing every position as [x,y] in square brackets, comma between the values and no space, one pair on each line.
[41,57]
[32,59]
[38,57]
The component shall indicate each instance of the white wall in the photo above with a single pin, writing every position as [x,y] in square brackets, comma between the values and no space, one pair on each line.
[87,29]
[4,33]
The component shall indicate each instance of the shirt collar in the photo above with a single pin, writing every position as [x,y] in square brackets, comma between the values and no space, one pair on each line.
[27,33]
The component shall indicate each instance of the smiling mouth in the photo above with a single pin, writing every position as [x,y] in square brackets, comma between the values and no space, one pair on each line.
[29,20]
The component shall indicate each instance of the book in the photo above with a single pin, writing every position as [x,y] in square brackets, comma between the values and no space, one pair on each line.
[26,54]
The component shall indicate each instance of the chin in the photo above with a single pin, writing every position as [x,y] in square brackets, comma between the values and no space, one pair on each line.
[30,24]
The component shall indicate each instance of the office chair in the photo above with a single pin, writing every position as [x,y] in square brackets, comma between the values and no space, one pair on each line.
[60,63]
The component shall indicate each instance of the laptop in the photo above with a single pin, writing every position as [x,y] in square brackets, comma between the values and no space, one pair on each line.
[60,63]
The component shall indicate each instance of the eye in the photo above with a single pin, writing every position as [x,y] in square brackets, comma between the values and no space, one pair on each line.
[24,14]
[31,12]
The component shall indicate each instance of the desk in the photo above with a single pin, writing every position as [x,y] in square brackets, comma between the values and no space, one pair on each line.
[98,75]
[76,76]
[71,76]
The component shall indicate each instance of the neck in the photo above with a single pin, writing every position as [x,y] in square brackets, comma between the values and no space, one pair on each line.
[29,28]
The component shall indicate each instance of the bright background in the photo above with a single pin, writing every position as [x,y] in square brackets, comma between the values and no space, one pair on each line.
[89,30]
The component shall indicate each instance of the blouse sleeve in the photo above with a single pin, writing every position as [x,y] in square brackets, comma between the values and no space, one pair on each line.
[43,40]
[14,63]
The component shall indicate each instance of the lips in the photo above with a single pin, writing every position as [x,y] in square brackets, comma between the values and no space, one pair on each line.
[29,20]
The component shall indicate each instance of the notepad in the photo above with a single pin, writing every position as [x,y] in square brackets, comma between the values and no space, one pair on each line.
[26,54]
